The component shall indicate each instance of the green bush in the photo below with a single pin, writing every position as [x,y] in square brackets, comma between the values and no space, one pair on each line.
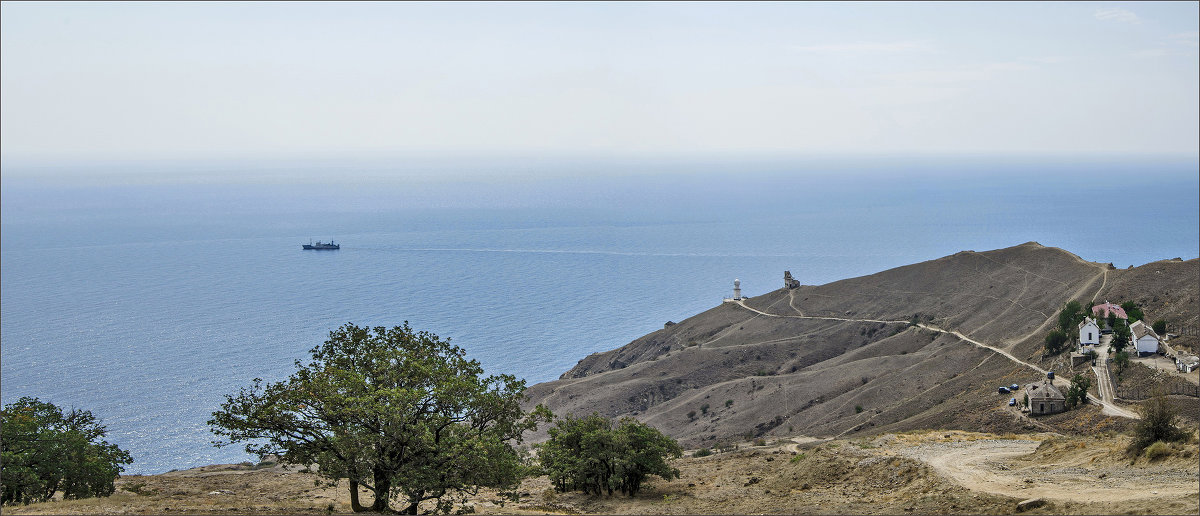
[1160,327]
[1159,423]
[1158,450]
[704,452]
[704,408]
[592,455]
[728,403]
[858,409]
[45,450]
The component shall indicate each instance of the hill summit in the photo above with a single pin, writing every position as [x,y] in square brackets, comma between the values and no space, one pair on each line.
[918,346]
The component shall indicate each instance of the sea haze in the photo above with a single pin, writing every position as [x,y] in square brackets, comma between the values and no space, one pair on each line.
[147,300]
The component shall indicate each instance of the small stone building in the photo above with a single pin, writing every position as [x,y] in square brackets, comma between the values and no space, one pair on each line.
[1045,398]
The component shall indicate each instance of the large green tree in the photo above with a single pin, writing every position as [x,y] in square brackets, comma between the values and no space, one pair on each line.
[1077,394]
[44,450]
[1070,316]
[590,454]
[400,413]
[1056,342]
[1121,338]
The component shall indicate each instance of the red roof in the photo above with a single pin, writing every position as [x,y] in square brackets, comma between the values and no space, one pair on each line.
[1109,307]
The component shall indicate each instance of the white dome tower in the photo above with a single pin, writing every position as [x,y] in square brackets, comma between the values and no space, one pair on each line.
[737,289]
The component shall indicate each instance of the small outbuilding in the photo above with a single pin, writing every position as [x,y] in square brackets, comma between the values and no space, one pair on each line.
[1144,338]
[1187,363]
[1045,398]
[1089,332]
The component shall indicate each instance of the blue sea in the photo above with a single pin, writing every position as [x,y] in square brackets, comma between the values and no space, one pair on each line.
[146,292]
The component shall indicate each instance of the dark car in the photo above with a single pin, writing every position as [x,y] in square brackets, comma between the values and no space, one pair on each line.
[1003,390]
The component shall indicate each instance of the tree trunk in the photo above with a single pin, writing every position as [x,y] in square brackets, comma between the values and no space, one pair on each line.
[383,490]
[415,501]
[354,504]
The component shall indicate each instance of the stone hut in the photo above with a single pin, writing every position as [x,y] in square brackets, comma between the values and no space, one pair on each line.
[1045,398]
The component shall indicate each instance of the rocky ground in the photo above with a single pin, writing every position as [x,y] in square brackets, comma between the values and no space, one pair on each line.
[933,472]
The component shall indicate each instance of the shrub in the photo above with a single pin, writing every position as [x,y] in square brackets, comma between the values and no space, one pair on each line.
[702,453]
[1160,327]
[592,455]
[704,408]
[728,403]
[1158,423]
[691,415]
[1158,450]
[858,409]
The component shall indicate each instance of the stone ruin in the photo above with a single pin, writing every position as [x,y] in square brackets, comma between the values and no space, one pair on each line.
[788,281]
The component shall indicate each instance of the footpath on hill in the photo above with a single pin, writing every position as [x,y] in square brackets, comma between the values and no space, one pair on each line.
[1108,407]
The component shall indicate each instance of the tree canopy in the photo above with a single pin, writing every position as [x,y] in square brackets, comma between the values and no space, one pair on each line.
[1077,393]
[591,455]
[400,413]
[1121,338]
[1056,342]
[44,450]
[1070,316]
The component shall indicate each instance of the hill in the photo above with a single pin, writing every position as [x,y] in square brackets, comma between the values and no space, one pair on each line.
[871,354]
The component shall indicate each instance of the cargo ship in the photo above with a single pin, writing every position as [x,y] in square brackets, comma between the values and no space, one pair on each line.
[321,245]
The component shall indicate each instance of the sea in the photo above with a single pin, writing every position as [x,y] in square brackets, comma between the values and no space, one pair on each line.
[146,292]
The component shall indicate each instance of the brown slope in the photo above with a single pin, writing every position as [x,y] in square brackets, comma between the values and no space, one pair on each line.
[777,374]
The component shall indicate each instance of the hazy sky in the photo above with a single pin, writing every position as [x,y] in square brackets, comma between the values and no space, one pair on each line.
[290,80]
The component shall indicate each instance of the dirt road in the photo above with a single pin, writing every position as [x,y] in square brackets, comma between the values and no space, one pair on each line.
[1006,467]
[1108,407]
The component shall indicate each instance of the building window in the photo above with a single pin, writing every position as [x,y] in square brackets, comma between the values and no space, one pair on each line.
[1041,407]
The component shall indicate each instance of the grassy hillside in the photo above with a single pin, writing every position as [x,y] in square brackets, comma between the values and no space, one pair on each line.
[856,364]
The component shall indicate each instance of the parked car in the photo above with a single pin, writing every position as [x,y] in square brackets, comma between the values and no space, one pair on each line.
[1014,387]
[1012,402]
[1002,390]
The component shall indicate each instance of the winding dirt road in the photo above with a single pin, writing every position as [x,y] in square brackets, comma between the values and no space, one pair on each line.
[1107,407]
[991,466]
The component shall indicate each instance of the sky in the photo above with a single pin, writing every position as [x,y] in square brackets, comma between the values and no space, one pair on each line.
[91,82]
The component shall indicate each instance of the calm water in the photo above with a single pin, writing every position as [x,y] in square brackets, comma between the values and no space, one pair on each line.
[147,303]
